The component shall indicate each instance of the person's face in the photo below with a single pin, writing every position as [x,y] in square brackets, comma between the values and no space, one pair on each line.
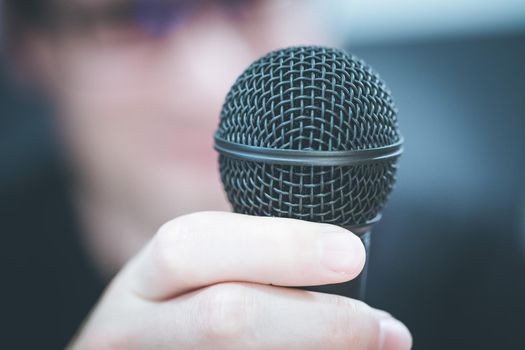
[139,94]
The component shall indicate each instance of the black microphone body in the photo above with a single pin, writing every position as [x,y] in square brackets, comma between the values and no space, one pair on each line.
[310,133]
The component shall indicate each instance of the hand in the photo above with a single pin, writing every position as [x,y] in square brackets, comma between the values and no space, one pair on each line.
[218,281]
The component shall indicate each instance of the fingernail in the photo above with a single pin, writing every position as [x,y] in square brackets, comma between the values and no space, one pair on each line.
[394,335]
[342,252]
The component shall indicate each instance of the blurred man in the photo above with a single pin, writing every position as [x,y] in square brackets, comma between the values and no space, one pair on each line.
[137,87]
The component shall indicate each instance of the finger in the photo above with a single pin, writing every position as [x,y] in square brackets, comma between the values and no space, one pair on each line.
[207,248]
[253,316]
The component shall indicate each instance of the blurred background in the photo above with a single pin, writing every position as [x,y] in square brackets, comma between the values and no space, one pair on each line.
[448,257]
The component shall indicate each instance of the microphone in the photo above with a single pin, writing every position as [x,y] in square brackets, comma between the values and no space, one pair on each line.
[310,133]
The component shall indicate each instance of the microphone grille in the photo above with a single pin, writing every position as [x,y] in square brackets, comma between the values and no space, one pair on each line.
[314,101]
[309,98]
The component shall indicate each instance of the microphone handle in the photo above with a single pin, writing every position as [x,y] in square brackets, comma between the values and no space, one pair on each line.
[355,288]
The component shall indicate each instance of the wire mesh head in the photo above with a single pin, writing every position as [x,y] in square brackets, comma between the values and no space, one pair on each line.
[309,99]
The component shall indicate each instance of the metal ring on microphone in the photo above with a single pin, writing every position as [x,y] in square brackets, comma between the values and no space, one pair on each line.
[307,157]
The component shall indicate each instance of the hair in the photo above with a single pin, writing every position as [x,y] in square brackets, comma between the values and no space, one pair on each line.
[18,16]
[28,12]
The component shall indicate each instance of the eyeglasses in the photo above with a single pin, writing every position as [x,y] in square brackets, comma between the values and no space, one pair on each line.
[148,17]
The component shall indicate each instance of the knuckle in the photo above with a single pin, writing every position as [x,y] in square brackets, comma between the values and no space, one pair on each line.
[107,340]
[168,244]
[352,325]
[226,312]
[162,252]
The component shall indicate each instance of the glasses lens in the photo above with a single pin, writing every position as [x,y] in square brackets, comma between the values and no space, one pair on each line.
[150,17]
[157,16]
